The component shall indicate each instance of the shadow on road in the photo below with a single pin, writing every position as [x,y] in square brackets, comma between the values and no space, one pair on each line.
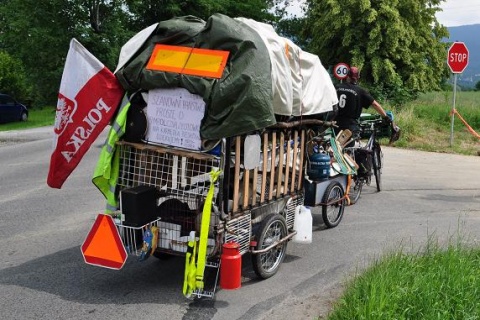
[66,275]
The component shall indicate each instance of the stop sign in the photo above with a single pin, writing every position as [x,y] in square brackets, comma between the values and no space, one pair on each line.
[457,57]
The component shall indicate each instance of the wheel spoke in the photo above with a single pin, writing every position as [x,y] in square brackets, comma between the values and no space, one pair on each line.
[270,232]
[270,259]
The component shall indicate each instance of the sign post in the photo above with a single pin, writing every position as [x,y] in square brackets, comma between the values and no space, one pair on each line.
[457,60]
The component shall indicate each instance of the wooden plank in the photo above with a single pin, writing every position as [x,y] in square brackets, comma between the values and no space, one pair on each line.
[183,172]
[175,173]
[264,169]
[272,167]
[294,165]
[302,155]
[254,186]
[246,187]
[236,178]
[171,150]
[288,163]
[280,165]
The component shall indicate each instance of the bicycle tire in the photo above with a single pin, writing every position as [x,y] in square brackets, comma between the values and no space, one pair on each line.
[271,229]
[332,214]
[377,166]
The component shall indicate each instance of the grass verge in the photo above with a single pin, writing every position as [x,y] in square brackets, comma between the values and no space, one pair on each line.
[36,118]
[435,283]
[426,123]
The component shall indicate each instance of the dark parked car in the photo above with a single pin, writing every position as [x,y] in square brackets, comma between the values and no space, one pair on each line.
[11,110]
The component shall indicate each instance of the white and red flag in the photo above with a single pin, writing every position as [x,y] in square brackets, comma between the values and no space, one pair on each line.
[89,95]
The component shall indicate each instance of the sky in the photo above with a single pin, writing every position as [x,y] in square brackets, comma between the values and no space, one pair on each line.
[459,13]
[455,12]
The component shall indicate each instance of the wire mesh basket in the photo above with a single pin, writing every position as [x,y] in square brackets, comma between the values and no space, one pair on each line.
[182,180]
[133,237]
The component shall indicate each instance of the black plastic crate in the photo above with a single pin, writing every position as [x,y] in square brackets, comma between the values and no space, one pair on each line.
[383,131]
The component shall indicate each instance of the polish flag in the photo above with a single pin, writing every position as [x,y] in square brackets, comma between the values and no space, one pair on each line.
[88,98]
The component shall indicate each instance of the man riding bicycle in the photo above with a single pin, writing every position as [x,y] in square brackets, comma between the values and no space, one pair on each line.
[352,99]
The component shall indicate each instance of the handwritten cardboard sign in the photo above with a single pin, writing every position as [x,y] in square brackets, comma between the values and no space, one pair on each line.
[174,117]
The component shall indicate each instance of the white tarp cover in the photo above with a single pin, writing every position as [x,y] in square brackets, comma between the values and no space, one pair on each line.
[300,83]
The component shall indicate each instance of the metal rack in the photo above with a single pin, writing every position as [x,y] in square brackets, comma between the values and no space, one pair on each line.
[132,237]
[182,180]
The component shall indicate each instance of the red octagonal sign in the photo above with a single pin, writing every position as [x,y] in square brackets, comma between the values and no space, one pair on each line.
[457,57]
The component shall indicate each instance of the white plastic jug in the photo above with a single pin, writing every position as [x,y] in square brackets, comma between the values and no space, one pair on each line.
[303,225]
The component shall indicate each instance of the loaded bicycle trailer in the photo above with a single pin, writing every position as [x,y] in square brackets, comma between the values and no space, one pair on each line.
[221,169]
[255,206]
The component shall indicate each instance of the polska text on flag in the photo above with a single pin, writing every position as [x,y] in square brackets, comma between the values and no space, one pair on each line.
[88,97]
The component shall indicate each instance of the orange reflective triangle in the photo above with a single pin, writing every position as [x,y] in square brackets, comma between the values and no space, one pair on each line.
[103,245]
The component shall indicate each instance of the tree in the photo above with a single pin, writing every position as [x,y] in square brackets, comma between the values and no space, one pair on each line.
[147,12]
[477,86]
[396,44]
[38,33]
[13,80]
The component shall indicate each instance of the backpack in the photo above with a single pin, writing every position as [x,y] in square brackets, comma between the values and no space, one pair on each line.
[363,158]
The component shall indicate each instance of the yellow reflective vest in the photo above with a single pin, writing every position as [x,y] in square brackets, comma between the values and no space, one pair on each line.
[106,172]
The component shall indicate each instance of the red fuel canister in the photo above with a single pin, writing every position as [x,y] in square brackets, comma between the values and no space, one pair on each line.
[231,266]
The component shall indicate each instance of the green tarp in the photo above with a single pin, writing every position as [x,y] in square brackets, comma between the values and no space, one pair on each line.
[240,101]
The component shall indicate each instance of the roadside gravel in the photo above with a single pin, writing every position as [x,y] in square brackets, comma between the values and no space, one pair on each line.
[16,136]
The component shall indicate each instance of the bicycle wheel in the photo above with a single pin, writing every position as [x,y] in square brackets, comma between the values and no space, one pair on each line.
[332,214]
[356,189]
[272,228]
[377,167]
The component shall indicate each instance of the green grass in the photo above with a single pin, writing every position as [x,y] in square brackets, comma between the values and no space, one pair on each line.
[36,118]
[434,283]
[426,123]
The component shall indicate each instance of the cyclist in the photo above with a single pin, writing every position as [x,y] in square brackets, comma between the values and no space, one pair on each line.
[352,99]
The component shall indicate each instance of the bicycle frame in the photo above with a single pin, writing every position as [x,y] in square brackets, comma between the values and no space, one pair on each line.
[373,147]
[374,157]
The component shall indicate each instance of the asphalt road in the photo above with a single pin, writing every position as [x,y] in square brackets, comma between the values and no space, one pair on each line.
[43,275]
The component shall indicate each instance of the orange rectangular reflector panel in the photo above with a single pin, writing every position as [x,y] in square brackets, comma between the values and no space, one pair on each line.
[186,60]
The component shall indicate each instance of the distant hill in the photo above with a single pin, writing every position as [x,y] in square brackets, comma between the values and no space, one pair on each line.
[470,35]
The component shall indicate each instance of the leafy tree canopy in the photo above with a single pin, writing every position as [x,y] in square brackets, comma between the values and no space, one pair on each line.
[147,12]
[13,80]
[395,43]
[38,33]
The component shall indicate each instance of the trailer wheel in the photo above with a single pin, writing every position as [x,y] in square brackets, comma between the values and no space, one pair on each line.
[272,228]
[332,214]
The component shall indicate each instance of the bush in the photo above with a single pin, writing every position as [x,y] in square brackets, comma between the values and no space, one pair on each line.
[13,80]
